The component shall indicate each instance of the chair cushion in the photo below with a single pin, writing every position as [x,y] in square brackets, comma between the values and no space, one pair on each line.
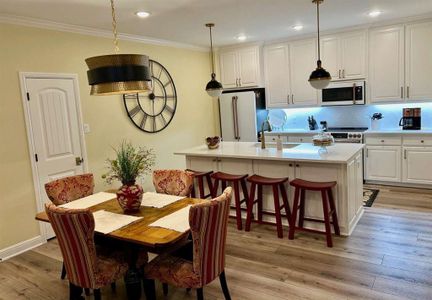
[173,270]
[173,182]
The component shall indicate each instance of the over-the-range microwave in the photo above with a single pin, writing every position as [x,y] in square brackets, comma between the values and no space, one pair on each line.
[344,93]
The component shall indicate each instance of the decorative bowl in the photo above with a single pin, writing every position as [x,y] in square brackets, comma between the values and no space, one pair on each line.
[213,142]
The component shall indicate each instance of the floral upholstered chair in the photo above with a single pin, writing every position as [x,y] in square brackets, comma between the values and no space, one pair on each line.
[173,182]
[203,259]
[86,268]
[70,188]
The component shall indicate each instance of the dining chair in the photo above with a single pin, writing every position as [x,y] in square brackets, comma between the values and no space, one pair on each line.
[173,182]
[68,189]
[200,261]
[86,267]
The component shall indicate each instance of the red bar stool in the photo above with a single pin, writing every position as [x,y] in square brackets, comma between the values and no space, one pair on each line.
[200,176]
[275,183]
[237,182]
[301,186]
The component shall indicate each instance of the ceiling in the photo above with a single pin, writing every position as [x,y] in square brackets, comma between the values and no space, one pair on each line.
[183,21]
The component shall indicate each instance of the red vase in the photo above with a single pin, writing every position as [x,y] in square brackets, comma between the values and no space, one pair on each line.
[129,196]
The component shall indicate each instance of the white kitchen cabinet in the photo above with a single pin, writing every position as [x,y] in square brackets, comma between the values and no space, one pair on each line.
[300,138]
[383,163]
[417,165]
[359,181]
[240,67]
[418,61]
[277,75]
[344,55]
[386,64]
[302,62]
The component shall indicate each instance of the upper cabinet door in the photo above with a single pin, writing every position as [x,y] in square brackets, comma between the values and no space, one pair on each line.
[228,68]
[330,56]
[248,62]
[386,64]
[302,61]
[276,72]
[353,55]
[418,61]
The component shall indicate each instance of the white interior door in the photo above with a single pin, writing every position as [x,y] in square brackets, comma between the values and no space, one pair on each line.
[55,132]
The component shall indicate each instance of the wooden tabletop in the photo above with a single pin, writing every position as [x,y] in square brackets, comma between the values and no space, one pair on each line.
[140,232]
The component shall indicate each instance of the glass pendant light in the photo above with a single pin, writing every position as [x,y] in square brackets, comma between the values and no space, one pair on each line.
[214,88]
[319,78]
[118,73]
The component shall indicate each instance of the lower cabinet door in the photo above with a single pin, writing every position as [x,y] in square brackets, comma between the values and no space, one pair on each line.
[383,163]
[417,165]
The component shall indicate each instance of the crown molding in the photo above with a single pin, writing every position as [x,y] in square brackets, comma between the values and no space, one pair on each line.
[50,25]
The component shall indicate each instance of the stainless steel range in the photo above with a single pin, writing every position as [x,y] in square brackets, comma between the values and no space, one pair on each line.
[347,134]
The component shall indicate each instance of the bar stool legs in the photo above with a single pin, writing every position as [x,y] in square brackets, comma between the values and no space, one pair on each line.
[328,205]
[277,185]
[200,176]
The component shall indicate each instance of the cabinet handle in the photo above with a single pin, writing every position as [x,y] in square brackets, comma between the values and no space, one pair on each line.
[407,91]
[339,74]
[288,99]
[239,81]
[405,154]
[292,98]
[382,141]
[343,73]
[402,90]
[290,165]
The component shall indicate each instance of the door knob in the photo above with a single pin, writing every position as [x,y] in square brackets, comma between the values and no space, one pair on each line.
[78,161]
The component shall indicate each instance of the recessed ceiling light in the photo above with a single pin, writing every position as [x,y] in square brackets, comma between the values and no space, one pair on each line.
[142,14]
[241,37]
[374,13]
[297,27]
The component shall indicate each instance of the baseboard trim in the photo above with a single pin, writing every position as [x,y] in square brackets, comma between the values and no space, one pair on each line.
[399,184]
[21,247]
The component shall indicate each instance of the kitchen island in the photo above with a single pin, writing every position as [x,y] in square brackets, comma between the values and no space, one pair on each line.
[342,163]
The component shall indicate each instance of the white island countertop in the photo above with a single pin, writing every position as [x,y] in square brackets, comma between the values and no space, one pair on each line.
[338,153]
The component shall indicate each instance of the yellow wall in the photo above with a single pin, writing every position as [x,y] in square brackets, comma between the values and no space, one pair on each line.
[36,50]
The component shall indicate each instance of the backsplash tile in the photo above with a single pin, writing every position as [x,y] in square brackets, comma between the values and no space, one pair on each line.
[358,116]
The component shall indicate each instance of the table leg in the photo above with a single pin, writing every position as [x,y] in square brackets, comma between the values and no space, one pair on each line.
[133,276]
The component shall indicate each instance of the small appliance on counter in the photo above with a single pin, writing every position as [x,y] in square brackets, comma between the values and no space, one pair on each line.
[411,119]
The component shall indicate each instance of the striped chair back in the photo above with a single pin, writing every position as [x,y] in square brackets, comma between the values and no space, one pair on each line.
[208,223]
[74,229]
[173,182]
[70,188]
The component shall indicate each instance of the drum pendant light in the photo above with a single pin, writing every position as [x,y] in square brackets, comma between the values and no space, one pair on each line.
[319,78]
[214,88]
[118,73]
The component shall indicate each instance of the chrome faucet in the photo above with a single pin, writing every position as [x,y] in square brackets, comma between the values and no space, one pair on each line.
[269,129]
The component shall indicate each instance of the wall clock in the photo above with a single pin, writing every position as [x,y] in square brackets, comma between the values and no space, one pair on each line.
[153,111]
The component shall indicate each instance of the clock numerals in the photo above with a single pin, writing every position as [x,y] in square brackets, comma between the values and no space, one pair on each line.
[153,123]
[143,121]
[134,111]
[169,109]
[163,120]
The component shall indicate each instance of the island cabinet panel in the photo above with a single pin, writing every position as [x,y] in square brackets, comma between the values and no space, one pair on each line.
[383,163]
[275,169]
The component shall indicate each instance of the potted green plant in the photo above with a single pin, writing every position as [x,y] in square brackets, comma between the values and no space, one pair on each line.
[129,164]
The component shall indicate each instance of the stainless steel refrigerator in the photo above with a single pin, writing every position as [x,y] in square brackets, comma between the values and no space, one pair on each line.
[241,115]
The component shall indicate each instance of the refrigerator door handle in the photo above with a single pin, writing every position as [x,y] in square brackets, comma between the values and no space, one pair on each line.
[237,133]
[234,116]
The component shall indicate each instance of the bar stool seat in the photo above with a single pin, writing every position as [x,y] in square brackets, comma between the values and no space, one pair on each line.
[276,184]
[312,185]
[200,176]
[237,182]
[301,186]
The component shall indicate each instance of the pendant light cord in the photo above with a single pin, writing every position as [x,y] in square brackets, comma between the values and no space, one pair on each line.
[318,27]
[114,25]
[211,49]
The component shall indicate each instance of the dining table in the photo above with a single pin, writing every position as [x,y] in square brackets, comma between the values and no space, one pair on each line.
[139,235]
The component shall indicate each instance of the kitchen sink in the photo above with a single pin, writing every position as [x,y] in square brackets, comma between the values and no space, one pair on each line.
[273,145]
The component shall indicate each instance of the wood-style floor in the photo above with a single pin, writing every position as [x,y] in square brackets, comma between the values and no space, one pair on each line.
[389,256]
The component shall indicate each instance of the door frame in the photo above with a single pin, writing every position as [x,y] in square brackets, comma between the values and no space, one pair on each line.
[23,76]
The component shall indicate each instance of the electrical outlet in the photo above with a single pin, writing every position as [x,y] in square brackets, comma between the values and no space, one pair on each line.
[86,128]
